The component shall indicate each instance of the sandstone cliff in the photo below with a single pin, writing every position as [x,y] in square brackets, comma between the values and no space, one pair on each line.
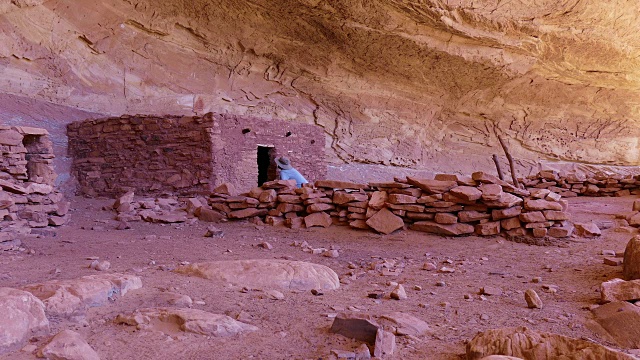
[416,84]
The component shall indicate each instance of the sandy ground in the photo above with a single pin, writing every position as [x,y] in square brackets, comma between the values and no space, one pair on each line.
[298,326]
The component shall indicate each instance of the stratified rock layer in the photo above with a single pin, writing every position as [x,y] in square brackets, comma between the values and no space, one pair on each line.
[394,82]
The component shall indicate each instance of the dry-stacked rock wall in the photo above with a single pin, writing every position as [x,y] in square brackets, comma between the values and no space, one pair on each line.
[580,184]
[447,205]
[186,154]
[27,195]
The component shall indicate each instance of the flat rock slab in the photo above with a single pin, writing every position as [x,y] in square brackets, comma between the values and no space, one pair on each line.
[619,290]
[22,315]
[68,345]
[167,218]
[264,273]
[407,324]
[356,326]
[621,320]
[187,320]
[385,222]
[531,345]
[69,297]
[442,229]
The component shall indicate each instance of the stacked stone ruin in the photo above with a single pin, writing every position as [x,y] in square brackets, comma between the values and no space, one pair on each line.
[448,205]
[27,195]
[579,184]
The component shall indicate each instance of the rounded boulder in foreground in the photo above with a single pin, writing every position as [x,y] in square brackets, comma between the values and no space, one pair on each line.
[265,273]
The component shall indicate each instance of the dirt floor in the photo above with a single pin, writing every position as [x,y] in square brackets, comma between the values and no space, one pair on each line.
[297,327]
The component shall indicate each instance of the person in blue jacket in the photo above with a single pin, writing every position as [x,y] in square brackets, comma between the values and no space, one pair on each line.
[288,172]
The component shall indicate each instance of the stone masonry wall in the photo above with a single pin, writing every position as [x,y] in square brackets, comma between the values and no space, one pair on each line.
[448,205]
[148,154]
[235,148]
[185,155]
[579,184]
[27,196]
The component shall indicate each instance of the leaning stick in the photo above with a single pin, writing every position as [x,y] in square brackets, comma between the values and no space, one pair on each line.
[495,160]
[506,151]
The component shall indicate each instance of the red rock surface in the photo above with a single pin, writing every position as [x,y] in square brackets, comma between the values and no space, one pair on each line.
[390,82]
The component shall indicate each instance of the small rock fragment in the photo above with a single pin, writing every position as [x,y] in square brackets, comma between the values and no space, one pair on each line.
[533,300]
[399,293]
[385,344]
[213,231]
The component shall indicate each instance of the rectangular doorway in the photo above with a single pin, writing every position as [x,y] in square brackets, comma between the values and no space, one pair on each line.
[266,164]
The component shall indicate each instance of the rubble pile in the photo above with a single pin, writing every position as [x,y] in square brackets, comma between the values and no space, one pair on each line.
[579,184]
[446,205]
[27,196]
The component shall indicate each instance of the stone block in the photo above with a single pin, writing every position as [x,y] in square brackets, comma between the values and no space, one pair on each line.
[385,222]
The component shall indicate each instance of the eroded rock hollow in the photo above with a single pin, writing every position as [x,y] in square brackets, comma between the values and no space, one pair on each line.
[423,85]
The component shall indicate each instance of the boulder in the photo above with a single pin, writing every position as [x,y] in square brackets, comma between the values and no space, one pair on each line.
[621,320]
[187,320]
[70,297]
[22,316]
[68,345]
[531,345]
[631,264]
[385,222]
[619,290]
[264,273]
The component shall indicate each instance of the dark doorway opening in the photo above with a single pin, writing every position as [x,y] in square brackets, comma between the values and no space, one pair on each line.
[266,164]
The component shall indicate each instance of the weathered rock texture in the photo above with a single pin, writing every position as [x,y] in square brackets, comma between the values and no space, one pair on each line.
[68,345]
[187,320]
[185,154]
[73,297]
[531,345]
[23,315]
[420,84]
[266,274]
[27,195]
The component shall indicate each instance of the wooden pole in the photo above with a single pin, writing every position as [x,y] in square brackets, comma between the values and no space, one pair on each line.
[495,160]
[506,151]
